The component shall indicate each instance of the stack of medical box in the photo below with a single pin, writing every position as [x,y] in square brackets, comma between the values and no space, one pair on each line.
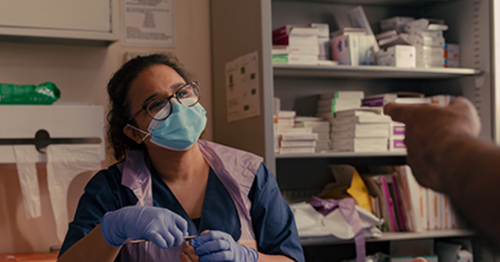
[452,55]
[323,41]
[296,45]
[397,137]
[320,127]
[397,24]
[331,103]
[360,130]
[294,139]
[353,46]
[429,42]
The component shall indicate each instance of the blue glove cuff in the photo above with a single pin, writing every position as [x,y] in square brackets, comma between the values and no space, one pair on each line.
[107,232]
[252,254]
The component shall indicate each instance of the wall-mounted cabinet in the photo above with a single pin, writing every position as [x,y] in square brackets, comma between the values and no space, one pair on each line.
[89,22]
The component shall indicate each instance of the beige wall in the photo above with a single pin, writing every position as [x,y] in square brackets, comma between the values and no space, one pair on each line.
[81,72]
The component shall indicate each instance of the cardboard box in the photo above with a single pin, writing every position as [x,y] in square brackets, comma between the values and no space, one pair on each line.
[397,23]
[398,56]
[452,51]
[323,41]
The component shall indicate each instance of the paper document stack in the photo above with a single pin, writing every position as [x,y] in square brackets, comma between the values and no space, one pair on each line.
[360,130]
[294,139]
[320,127]
[293,44]
[331,103]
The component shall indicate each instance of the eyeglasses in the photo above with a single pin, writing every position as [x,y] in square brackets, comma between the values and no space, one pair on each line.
[160,108]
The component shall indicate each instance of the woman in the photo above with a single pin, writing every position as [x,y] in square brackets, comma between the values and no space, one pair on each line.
[170,185]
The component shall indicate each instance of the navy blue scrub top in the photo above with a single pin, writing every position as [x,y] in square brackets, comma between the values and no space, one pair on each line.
[273,221]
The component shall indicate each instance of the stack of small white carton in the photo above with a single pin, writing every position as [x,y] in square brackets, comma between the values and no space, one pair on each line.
[293,44]
[320,127]
[355,45]
[429,42]
[294,139]
[331,103]
[360,130]
[323,41]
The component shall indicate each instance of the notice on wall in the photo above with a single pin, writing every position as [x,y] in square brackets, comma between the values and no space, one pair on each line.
[242,87]
[148,23]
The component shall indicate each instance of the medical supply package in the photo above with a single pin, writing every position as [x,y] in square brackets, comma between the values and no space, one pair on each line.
[42,94]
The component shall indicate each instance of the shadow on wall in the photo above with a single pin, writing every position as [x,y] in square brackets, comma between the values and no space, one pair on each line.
[19,234]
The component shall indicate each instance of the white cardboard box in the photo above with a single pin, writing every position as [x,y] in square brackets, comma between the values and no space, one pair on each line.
[397,23]
[398,56]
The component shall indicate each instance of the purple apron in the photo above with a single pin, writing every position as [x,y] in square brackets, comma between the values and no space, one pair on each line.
[351,215]
[236,170]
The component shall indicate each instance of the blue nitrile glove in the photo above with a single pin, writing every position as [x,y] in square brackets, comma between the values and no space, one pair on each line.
[159,225]
[220,246]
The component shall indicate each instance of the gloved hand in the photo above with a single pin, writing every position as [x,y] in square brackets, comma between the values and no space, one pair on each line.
[220,246]
[159,225]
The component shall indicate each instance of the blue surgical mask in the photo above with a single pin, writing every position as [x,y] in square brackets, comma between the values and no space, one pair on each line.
[180,130]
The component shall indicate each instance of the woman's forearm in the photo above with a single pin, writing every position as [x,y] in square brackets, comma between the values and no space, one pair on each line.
[92,247]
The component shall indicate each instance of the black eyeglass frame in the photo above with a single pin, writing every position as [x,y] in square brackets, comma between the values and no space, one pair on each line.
[145,105]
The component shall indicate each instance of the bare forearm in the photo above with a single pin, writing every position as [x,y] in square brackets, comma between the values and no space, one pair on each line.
[92,247]
[472,170]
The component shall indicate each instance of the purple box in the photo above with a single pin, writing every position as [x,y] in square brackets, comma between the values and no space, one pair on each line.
[398,130]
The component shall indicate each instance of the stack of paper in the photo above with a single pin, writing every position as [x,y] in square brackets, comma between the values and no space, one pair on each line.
[360,130]
[294,44]
[318,126]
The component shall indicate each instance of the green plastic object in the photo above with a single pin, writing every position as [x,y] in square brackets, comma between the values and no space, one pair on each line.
[42,94]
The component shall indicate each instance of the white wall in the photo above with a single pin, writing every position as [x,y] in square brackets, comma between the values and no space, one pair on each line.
[81,73]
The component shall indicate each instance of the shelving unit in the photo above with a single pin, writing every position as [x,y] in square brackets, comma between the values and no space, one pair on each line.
[343,71]
[342,155]
[390,236]
[246,26]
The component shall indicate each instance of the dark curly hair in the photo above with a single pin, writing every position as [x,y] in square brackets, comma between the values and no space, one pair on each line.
[118,89]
